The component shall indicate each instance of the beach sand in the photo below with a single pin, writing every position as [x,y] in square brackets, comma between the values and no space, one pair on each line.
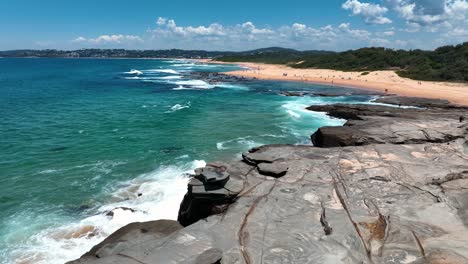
[379,81]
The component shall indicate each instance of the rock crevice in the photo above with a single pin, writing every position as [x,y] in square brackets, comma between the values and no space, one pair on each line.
[392,188]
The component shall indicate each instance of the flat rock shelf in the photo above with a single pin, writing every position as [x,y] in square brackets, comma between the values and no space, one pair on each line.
[390,186]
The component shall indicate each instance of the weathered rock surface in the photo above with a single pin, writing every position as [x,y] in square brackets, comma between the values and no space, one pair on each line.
[326,94]
[414,101]
[375,203]
[210,191]
[112,249]
[375,124]
[215,78]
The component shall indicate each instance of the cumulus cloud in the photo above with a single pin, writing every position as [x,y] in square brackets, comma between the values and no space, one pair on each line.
[110,39]
[247,35]
[450,29]
[371,13]
[166,27]
[430,12]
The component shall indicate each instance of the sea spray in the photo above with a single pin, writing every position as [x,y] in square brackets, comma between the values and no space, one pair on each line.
[54,203]
[151,196]
[135,72]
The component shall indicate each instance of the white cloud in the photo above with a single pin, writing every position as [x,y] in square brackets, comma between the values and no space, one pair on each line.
[380,42]
[250,28]
[161,21]
[387,33]
[109,39]
[430,12]
[167,27]
[356,33]
[80,39]
[371,13]
[244,36]
[247,35]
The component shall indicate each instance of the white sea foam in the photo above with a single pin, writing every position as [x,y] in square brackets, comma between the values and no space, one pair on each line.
[155,195]
[293,114]
[172,77]
[181,87]
[169,71]
[199,84]
[297,110]
[233,86]
[184,65]
[135,72]
[178,107]
[49,171]
[245,143]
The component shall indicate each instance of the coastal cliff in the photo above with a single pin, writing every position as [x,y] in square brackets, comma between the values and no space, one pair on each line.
[390,186]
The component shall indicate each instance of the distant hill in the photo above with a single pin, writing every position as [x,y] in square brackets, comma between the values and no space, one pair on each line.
[448,63]
[122,53]
[115,53]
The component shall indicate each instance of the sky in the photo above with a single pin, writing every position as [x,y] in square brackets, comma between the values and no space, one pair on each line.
[232,25]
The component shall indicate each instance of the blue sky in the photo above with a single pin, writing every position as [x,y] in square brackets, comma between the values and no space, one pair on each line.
[232,25]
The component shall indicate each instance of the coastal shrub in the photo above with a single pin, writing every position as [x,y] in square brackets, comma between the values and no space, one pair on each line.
[447,63]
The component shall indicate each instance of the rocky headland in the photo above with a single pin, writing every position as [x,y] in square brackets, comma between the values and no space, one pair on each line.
[390,186]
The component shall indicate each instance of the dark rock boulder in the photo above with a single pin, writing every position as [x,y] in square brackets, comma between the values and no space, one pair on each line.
[276,169]
[398,202]
[210,191]
[328,137]
[128,236]
[376,124]
[381,203]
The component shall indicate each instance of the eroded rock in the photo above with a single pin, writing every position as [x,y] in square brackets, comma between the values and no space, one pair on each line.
[394,203]
[376,124]
[210,191]
[276,169]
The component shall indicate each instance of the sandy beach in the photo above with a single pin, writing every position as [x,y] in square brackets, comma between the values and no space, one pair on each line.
[379,81]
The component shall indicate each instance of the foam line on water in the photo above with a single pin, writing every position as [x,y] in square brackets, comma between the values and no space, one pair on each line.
[178,107]
[154,195]
[247,142]
[169,71]
[135,72]
[195,84]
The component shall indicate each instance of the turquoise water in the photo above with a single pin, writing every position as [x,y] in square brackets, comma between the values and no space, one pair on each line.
[80,137]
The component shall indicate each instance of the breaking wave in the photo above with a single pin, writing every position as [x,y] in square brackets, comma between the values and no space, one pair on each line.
[135,72]
[151,196]
[178,107]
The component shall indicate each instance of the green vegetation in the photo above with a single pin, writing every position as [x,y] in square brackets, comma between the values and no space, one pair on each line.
[448,63]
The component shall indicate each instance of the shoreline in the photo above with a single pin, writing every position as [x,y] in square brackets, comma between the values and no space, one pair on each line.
[356,175]
[378,81]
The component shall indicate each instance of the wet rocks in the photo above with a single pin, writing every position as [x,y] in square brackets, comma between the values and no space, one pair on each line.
[210,191]
[215,78]
[385,194]
[376,124]
[133,235]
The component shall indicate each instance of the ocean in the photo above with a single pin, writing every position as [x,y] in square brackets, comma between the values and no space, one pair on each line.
[80,137]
